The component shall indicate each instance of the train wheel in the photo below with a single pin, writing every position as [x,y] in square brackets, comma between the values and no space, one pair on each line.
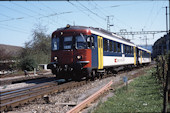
[93,74]
[66,79]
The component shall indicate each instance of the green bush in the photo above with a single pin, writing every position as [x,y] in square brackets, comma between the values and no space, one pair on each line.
[28,64]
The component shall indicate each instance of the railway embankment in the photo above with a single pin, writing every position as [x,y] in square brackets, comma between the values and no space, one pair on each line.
[143,94]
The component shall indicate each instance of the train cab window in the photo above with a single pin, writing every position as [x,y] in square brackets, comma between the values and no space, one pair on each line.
[55,44]
[105,45]
[118,47]
[81,42]
[67,42]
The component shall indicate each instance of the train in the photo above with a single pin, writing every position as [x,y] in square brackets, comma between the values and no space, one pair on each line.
[80,51]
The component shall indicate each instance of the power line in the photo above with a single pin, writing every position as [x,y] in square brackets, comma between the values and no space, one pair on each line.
[96,8]
[55,13]
[92,11]
[14,30]
[85,13]
[4,15]
[16,10]
[43,16]
[13,27]
[149,15]
[156,15]
[106,12]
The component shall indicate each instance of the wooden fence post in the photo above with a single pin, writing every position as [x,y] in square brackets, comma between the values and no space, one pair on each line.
[166,88]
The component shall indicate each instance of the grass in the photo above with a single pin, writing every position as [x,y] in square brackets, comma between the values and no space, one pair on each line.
[144,94]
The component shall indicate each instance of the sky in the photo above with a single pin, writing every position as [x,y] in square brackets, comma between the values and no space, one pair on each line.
[18,19]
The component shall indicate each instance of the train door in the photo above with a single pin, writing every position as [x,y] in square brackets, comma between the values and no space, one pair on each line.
[135,55]
[140,56]
[100,52]
[123,51]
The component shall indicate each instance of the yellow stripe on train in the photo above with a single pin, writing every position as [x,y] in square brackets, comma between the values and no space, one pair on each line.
[134,55]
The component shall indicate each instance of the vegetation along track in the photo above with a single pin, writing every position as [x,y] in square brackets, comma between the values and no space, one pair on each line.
[17,97]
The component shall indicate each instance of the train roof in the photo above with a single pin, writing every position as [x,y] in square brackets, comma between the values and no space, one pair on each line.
[97,31]
[144,49]
[104,33]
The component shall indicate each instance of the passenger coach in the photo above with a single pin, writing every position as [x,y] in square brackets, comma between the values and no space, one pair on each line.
[79,51]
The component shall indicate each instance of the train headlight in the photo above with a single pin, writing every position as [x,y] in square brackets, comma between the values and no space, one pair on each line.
[79,57]
[55,58]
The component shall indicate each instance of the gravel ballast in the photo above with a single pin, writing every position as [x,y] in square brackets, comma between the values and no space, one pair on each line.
[64,101]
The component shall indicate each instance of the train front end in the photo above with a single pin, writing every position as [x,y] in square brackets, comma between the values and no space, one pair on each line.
[71,53]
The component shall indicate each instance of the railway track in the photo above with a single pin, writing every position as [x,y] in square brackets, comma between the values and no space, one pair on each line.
[16,97]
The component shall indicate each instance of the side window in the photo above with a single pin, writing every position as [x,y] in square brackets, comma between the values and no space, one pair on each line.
[119,47]
[129,49]
[105,45]
[115,46]
[110,46]
[90,42]
[132,50]
[124,48]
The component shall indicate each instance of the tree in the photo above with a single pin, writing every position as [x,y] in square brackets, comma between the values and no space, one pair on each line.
[37,50]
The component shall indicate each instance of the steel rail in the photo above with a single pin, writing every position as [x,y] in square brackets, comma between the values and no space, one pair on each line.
[7,92]
[90,99]
[18,97]
[11,99]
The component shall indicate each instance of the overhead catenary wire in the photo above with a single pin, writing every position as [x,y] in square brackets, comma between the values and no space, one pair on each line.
[19,18]
[99,9]
[12,9]
[14,30]
[85,13]
[92,11]
[157,13]
[147,20]
[16,27]
[4,15]
[57,13]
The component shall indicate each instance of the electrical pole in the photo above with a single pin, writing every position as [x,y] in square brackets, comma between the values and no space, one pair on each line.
[108,23]
[167,36]
[146,40]
[169,28]
[166,20]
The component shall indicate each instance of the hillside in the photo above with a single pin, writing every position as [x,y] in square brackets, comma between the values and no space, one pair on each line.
[9,49]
